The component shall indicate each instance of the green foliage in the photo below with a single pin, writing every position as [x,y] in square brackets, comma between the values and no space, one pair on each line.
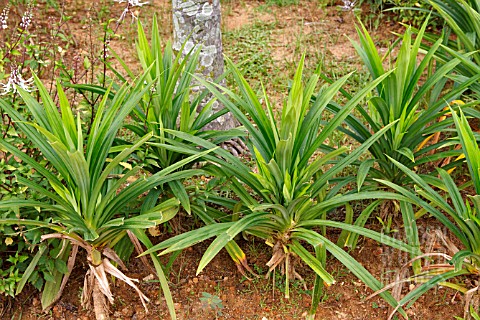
[168,103]
[411,106]
[11,276]
[443,199]
[410,12]
[17,261]
[33,47]
[23,49]
[282,3]
[291,188]
[463,19]
[66,184]
[213,302]
[87,201]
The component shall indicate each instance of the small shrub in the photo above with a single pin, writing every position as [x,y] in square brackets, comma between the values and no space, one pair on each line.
[410,12]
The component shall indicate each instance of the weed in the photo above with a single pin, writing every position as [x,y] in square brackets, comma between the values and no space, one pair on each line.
[213,302]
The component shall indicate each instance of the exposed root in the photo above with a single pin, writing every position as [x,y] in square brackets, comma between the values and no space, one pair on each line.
[286,260]
[139,250]
[389,208]
[472,299]
[96,285]
[110,268]
[99,303]
[278,256]
[88,284]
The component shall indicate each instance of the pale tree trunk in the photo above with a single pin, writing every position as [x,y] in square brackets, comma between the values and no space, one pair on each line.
[199,22]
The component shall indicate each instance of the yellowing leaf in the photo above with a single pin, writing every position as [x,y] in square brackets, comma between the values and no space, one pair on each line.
[8,241]
[126,165]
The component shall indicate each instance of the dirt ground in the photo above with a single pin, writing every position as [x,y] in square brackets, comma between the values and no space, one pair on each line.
[255,298]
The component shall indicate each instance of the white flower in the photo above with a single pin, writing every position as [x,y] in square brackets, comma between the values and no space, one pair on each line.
[130,4]
[348,5]
[15,80]
[26,19]
[133,3]
[4,17]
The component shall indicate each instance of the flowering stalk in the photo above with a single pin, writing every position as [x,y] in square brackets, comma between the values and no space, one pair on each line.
[24,24]
[16,80]
[4,17]
[27,18]
[348,5]
[130,4]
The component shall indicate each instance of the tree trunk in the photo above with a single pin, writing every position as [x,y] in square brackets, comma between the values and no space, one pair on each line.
[199,22]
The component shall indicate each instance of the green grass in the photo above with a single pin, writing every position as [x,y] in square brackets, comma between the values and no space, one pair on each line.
[249,47]
[282,3]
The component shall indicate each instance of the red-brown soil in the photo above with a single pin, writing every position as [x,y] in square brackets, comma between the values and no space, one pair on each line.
[242,298]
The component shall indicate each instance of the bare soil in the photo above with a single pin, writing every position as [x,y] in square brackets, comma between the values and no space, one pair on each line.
[243,298]
[255,298]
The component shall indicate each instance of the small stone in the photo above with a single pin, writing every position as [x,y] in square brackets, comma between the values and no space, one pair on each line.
[127,311]
[195,280]
[139,314]
[57,311]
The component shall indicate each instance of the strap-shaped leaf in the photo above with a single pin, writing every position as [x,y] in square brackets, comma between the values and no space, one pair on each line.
[363,172]
[312,262]
[351,264]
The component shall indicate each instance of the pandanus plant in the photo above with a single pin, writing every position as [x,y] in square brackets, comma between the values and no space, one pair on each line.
[463,19]
[170,104]
[285,197]
[90,189]
[443,199]
[413,104]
